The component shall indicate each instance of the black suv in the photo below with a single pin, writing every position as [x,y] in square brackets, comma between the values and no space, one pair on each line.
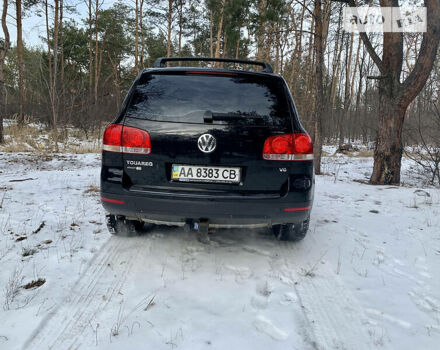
[201,147]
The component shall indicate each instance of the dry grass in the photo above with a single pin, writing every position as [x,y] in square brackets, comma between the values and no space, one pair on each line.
[36,138]
[12,288]
[28,252]
[92,190]
[21,139]
[363,153]
[35,284]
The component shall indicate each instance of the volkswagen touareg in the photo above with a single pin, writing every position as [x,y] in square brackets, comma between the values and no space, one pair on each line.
[208,147]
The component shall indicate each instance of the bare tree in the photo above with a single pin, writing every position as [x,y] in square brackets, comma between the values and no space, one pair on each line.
[3,51]
[96,53]
[219,29]
[344,118]
[180,11]
[211,42]
[170,26]
[53,65]
[136,42]
[262,4]
[49,49]
[61,44]
[141,26]
[394,95]
[319,96]
[54,94]
[20,62]
[90,19]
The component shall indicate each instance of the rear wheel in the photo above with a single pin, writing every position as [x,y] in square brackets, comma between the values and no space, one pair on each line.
[291,232]
[119,226]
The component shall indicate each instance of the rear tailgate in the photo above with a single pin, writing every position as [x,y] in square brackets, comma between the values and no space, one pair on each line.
[240,111]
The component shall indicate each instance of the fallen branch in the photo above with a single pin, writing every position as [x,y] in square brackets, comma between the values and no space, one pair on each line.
[20,180]
[43,223]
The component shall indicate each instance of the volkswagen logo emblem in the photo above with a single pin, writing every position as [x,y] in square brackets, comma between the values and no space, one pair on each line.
[206,143]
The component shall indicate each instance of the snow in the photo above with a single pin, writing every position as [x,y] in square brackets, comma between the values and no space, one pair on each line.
[365,277]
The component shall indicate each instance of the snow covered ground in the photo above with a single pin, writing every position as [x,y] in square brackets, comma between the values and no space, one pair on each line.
[365,277]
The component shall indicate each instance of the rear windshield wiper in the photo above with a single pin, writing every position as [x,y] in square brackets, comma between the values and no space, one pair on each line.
[209,116]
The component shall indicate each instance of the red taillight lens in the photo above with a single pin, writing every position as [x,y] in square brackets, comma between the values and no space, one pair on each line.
[119,138]
[303,144]
[112,138]
[135,141]
[280,144]
[296,146]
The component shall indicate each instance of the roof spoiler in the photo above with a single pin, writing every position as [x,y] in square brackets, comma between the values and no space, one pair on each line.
[160,62]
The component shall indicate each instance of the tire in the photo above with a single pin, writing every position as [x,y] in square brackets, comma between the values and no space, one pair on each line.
[119,226]
[291,232]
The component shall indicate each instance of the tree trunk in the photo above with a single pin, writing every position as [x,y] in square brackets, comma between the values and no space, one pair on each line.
[49,51]
[347,91]
[96,54]
[336,60]
[277,48]
[237,48]
[219,30]
[309,63]
[225,42]
[388,150]
[353,78]
[136,40]
[20,62]
[90,48]
[170,25]
[261,31]
[117,80]
[211,42]
[268,44]
[180,26]
[141,25]
[61,45]
[3,51]
[54,97]
[319,96]
[358,95]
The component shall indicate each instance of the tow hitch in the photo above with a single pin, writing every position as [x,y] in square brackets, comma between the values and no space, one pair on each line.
[202,228]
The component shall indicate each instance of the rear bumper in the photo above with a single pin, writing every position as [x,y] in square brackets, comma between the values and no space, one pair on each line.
[225,212]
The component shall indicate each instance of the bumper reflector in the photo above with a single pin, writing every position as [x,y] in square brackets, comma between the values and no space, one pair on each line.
[297,209]
[116,201]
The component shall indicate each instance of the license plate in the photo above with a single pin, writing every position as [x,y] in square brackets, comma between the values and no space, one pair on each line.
[214,174]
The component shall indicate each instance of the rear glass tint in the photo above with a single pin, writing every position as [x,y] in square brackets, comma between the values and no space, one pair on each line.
[189,98]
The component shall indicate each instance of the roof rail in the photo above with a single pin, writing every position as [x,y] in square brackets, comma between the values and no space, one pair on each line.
[160,62]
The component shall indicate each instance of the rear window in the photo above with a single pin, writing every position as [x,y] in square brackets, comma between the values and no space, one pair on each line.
[192,98]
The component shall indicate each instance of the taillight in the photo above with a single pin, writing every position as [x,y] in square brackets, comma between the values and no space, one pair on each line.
[112,138]
[126,139]
[296,146]
[135,140]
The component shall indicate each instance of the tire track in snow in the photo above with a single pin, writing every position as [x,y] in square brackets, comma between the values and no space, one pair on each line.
[97,299]
[96,265]
[335,319]
[62,329]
